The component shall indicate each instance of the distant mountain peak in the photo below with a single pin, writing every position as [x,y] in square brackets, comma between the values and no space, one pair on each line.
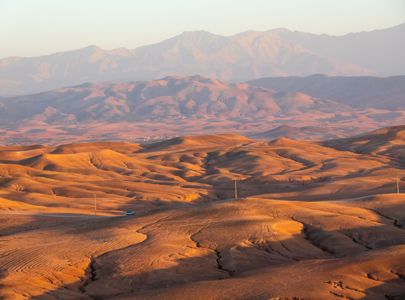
[279,30]
[196,33]
[92,47]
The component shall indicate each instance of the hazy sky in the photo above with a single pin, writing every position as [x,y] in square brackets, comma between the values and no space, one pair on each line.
[35,27]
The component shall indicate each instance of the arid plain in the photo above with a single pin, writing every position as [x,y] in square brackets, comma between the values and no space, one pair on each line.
[312,220]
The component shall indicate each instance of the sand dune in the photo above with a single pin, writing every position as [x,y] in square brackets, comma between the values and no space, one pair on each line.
[312,220]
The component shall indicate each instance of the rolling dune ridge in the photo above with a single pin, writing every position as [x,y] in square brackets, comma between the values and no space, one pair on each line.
[313,220]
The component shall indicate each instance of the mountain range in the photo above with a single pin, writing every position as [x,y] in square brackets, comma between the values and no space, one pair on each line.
[241,57]
[175,105]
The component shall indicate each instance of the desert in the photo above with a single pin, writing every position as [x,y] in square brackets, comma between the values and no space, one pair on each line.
[311,220]
[202,150]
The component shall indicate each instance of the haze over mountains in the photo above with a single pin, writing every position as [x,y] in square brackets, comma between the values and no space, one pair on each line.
[358,91]
[174,106]
[245,56]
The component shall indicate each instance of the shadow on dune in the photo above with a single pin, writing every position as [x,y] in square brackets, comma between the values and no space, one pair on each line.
[105,277]
[31,222]
[390,290]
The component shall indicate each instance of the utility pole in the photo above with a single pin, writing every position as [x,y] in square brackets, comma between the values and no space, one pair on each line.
[95,205]
[397,184]
[236,190]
